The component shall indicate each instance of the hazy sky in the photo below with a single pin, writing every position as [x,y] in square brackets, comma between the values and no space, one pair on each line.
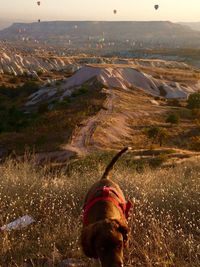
[173,10]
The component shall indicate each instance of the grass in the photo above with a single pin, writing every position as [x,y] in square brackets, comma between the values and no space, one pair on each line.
[64,117]
[164,222]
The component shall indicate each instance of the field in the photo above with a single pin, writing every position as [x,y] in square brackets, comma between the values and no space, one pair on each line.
[164,223]
[52,151]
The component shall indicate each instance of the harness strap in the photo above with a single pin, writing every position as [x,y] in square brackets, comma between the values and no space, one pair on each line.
[98,199]
[106,190]
[122,206]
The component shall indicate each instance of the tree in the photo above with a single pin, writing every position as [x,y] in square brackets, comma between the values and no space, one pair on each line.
[194,100]
[157,134]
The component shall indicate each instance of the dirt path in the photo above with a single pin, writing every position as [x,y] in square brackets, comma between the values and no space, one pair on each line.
[81,140]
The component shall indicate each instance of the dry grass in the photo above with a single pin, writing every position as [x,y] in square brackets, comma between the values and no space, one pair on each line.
[164,223]
[41,136]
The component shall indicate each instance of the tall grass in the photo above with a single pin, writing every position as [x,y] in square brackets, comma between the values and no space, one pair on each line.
[164,222]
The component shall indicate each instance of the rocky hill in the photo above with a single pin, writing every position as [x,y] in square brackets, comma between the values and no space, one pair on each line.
[79,32]
[127,76]
[193,25]
[18,62]
[71,113]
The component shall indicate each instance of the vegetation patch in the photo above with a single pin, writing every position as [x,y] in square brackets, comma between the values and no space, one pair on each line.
[163,224]
[156,134]
[194,101]
[26,89]
[56,121]
[173,118]
[14,120]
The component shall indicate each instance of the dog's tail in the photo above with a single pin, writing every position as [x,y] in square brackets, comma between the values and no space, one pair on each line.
[113,161]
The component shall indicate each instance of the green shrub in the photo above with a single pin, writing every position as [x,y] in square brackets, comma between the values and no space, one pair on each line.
[39,72]
[13,120]
[194,101]
[195,143]
[156,162]
[61,104]
[173,118]
[196,113]
[13,80]
[185,113]
[14,92]
[83,90]
[156,134]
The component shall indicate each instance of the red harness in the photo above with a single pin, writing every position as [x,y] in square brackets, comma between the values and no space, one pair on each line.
[122,205]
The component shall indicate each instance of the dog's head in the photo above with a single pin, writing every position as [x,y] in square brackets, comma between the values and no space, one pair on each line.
[106,240]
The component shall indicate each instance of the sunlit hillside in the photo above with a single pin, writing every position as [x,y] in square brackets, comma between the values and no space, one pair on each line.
[79,82]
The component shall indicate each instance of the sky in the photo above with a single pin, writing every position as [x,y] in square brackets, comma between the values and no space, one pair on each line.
[140,10]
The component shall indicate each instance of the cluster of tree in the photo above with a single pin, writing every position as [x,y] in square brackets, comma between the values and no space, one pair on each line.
[194,101]
[12,119]
[23,90]
[158,135]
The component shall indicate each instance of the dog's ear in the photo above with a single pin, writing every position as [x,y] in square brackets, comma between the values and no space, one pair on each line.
[88,237]
[123,229]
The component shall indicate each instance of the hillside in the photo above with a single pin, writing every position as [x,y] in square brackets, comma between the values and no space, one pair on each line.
[84,95]
[193,25]
[21,62]
[65,112]
[81,34]
[4,24]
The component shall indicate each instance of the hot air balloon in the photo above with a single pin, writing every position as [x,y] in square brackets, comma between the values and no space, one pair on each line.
[115,11]
[156,7]
[38,2]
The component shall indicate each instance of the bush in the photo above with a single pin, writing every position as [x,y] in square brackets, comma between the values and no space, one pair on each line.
[156,162]
[24,90]
[61,104]
[195,143]
[13,80]
[173,118]
[83,90]
[196,113]
[13,120]
[194,101]
[39,72]
[156,134]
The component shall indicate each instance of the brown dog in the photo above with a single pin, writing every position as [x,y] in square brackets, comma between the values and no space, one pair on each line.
[105,230]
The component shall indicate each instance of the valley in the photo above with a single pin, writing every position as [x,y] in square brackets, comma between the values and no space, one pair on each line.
[69,106]
[72,94]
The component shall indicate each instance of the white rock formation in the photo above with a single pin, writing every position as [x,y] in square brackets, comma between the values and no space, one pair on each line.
[125,78]
[17,63]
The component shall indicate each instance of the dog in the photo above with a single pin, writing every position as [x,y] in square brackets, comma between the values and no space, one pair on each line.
[105,229]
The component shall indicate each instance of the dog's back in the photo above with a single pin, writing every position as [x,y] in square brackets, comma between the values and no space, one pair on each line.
[104,218]
[97,190]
